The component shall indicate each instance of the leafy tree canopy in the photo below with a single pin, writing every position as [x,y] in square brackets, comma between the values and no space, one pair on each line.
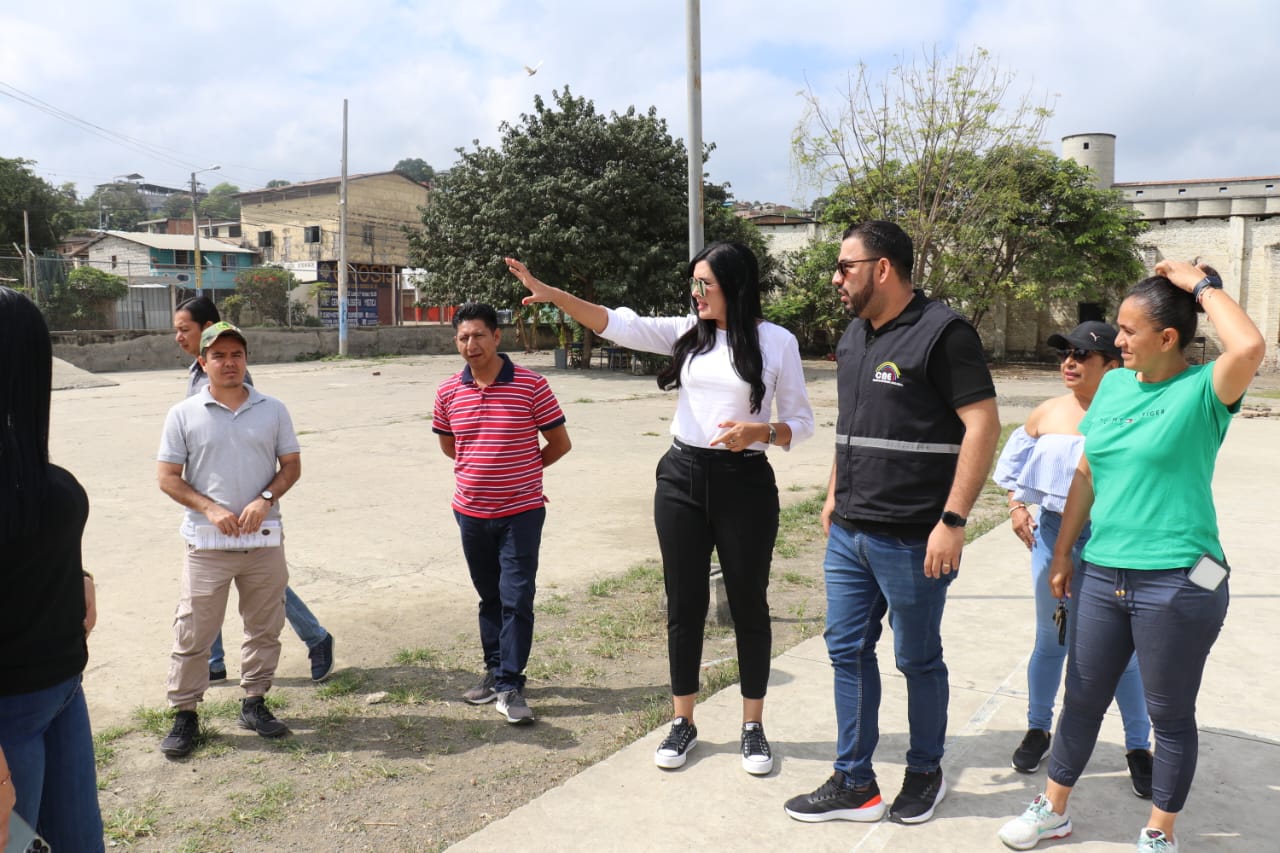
[113,207]
[940,147]
[415,168]
[46,207]
[221,203]
[83,299]
[277,182]
[266,290]
[593,203]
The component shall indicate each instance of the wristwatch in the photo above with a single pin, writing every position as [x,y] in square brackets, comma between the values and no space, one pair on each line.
[268,496]
[773,434]
[954,519]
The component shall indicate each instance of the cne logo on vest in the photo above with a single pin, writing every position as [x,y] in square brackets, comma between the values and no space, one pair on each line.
[888,373]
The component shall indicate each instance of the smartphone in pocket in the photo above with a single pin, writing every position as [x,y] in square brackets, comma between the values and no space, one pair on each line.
[22,838]
[1208,572]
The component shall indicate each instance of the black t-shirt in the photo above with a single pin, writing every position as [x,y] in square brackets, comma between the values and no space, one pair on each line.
[42,640]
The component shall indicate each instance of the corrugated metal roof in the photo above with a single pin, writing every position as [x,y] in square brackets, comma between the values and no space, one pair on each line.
[178,241]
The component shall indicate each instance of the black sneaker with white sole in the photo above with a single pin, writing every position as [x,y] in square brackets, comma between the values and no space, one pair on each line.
[757,758]
[920,794]
[1032,750]
[836,800]
[1140,767]
[674,750]
[485,691]
[512,705]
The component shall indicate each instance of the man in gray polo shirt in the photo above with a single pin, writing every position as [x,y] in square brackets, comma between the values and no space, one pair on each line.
[228,454]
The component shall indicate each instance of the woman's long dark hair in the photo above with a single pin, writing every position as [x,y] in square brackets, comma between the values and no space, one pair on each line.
[26,377]
[738,274]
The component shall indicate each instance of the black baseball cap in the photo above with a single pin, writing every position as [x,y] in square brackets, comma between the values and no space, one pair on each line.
[1091,335]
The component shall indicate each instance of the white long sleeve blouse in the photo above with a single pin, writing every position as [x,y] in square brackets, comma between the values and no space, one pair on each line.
[711,392]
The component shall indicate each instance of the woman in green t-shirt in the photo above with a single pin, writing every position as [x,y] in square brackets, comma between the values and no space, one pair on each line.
[1152,437]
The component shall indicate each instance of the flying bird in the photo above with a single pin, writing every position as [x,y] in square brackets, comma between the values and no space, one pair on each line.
[534,70]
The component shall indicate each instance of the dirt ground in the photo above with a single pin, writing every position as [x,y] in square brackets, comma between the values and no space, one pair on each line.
[384,756]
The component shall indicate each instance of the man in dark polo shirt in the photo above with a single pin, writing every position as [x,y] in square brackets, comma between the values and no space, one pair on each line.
[915,435]
[488,418]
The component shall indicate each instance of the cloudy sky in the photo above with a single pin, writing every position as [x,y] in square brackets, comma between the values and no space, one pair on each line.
[1188,87]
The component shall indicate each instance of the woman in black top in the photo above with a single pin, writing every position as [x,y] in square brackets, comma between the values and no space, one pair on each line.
[46,611]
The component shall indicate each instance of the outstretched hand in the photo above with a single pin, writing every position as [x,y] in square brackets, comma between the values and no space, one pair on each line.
[539,291]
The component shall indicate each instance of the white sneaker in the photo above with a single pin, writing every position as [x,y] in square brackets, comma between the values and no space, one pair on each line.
[674,750]
[1154,841]
[757,758]
[1038,822]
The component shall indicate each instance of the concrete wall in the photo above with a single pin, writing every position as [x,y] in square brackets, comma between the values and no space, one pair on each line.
[112,351]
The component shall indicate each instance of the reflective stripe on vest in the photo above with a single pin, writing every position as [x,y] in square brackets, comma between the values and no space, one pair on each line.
[890,444]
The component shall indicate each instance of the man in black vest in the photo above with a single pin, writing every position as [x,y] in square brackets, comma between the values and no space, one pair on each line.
[916,433]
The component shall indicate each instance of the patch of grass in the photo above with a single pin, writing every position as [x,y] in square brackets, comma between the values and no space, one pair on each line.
[718,677]
[104,748]
[798,579]
[123,826]
[414,657]
[550,663]
[584,400]
[403,694]
[344,683]
[556,605]
[651,432]
[265,804]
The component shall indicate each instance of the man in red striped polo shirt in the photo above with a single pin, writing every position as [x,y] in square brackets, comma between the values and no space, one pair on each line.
[488,418]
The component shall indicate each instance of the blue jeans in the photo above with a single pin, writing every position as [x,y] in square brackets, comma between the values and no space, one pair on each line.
[46,740]
[868,574]
[1044,669]
[301,619]
[1172,624]
[502,555]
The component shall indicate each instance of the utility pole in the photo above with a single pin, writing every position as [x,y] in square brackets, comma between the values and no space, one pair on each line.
[195,226]
[342,242]
[693,21]
[28,260]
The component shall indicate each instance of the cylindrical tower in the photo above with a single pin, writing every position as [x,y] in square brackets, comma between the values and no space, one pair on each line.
[1096,151]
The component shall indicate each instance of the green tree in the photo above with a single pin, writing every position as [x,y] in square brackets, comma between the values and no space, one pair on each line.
[83,299]
[277,182]
[46,207]
[591,202]
[266,290]
[415,168]
[221,203]
[942,148]
[806,303]
[178,206]
[113,207]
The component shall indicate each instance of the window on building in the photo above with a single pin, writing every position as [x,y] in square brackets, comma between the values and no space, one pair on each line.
[1086,146]
[1137,192]
[113,261]
[183,258]
[233,230]
[265,239]
[229,261]
[1222,189]
[311,234]
[1271,186]
[1182,191]
[366,234]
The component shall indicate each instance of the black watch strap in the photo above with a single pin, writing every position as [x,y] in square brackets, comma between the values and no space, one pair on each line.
[954,519]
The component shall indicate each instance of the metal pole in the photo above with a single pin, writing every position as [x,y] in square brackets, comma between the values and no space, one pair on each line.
[28,260]
[195,230]
[693,19]
[195,226]
[342,242]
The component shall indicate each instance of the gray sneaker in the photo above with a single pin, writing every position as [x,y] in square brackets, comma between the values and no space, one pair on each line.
[512,704]
[485,691]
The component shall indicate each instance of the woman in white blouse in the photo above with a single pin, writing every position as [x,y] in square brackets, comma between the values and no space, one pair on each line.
[715,486]
[1036,467]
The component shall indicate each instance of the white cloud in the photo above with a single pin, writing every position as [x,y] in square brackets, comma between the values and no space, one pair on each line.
[258,86]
